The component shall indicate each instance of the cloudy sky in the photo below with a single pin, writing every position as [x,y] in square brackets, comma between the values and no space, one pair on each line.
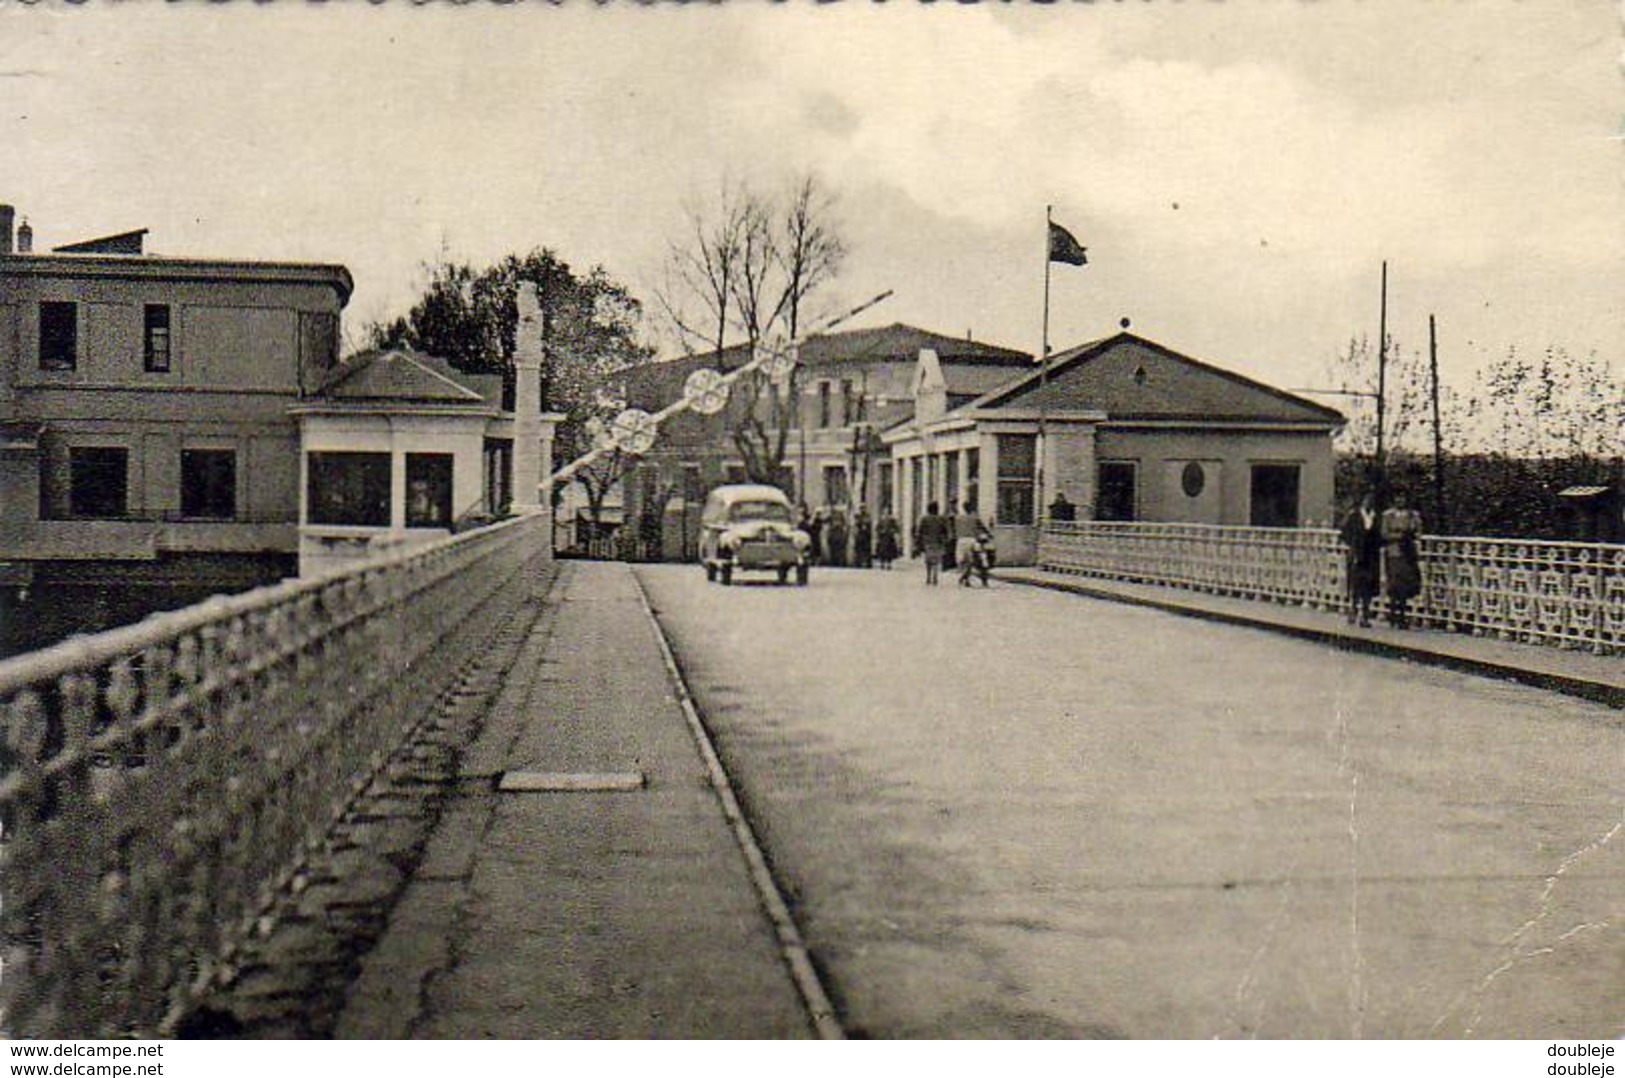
[1238,171]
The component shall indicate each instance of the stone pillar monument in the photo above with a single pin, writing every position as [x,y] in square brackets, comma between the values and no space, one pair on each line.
[529,430]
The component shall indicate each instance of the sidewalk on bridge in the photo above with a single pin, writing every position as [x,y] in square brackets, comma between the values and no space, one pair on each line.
[1578,673]
[582,914]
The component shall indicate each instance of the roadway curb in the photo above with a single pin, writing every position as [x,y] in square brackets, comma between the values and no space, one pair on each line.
[792,947]
[1597,691]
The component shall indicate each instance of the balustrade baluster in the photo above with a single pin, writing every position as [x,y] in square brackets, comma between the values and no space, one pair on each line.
[1562,594]
[159,782]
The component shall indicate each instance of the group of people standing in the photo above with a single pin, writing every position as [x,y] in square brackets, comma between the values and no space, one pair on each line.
[860,541]
[1383,558]
[963,537]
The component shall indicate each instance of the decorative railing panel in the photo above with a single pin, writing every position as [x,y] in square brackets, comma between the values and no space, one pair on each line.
[159,782]
[1564,594]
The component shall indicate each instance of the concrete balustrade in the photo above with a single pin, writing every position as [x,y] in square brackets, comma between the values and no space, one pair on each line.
[160,782]
[1562,594]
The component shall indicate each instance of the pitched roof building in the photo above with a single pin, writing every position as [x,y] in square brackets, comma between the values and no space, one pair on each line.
[1131,430]
[398,447]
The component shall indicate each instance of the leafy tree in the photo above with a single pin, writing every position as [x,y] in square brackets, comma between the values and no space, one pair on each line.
[1553,405]
[747,266]
[591,324]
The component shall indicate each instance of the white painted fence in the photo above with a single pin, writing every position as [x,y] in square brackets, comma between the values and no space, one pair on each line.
[159,782]
[1563,594]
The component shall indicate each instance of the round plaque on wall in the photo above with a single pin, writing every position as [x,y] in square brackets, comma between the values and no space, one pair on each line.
[1193,480]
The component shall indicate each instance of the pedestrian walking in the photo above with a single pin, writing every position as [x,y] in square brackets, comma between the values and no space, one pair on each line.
[836,536]
[933,538]
[887,547]
[1361,536]
[967,529]
[815,532]
[980,558]
[1401,560]
[863,539]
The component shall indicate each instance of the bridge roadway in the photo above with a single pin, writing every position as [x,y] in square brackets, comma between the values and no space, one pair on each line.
[1022,813]
[1011,813]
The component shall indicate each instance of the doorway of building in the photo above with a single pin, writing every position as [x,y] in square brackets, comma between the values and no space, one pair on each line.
[1274,496]
[1115,494]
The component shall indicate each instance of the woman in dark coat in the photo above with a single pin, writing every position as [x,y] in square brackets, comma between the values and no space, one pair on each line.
[836,537]
[1361,536]
[1401,560]
[863,538]
[887,549]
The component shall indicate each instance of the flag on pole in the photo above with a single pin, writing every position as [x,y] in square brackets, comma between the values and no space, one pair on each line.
[1064,247]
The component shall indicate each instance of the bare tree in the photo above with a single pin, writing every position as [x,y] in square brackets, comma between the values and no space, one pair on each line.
[697,296]
[748,267]
[1408,410]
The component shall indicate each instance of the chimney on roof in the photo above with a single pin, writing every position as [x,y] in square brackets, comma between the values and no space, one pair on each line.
[25,238]
[7,215]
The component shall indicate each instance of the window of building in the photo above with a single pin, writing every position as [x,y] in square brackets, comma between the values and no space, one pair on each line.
[883,479]
[348,489]
[785,479]
[428,490]
[835,492]
[823,404]
[499,475]
[156,336]
[58,336]
[1116,497]
[1275,496]
[950,483]
[98,481]
[208,484]
[973,477]
[848,403]
[1018,457]
[693,488]
[917,490]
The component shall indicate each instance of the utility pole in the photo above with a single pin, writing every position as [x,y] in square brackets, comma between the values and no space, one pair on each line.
[1438,430]
[1041,443]
[1382,390]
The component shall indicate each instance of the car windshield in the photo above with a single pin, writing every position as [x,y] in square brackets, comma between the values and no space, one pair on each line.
[774,511]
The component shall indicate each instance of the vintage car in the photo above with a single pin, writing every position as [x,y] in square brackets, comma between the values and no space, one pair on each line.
[751,527]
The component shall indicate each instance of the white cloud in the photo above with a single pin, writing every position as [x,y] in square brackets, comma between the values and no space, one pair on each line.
[1300,146]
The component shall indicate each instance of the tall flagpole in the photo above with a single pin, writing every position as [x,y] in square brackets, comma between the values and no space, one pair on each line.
[1043,383]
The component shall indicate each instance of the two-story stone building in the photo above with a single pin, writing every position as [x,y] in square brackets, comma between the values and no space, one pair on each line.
[148,454]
